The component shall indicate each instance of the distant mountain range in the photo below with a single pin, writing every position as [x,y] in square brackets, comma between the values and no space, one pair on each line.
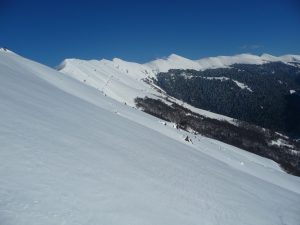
[257,89]
[178,62]
[229,91]
[266,95]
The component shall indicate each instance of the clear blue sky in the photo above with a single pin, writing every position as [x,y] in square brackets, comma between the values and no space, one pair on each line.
[49,31]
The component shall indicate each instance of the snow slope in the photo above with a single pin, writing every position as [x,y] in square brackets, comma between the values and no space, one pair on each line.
[124,81]
[118,79]
[174,61]
[178,62]
[69,155]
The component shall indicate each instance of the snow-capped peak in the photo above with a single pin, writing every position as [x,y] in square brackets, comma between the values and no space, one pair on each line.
[65,63]
[284,58]
[3,49]
[175,57]
[269,57]
[225,61]
[172,62]
[290,58]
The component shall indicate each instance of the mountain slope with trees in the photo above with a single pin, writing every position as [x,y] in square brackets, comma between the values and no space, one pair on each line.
[266,95]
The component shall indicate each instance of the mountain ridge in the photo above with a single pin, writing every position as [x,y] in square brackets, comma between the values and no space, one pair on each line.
[111,76]
[174,61]
[243,94]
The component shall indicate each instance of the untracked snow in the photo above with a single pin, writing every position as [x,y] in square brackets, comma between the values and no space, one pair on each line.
[69,155]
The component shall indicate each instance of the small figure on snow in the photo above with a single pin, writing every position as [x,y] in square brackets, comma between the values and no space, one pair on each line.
[188,139]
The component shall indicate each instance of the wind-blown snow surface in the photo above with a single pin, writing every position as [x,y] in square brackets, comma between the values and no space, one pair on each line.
[70,155]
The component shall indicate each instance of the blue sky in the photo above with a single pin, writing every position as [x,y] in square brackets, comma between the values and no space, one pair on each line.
[49,31]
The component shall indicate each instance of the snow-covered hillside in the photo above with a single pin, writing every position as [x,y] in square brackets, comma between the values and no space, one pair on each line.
[178,62]
[124,81]
[70,155]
